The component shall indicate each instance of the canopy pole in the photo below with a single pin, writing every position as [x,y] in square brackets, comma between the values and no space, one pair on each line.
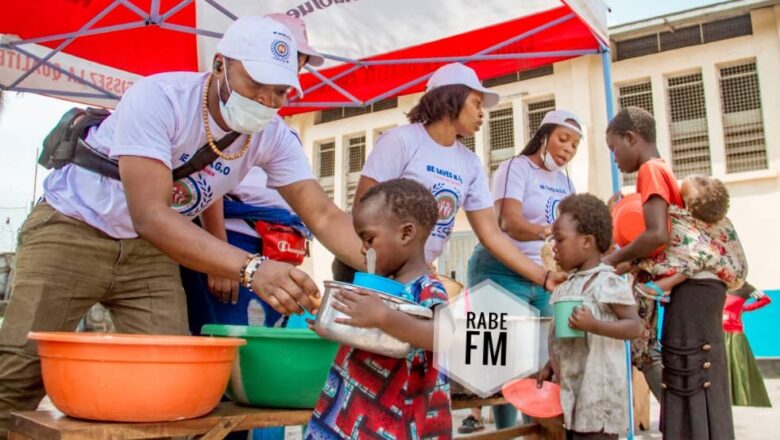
[606,68]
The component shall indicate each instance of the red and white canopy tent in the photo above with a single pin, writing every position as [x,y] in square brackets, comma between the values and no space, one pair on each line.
[91,51]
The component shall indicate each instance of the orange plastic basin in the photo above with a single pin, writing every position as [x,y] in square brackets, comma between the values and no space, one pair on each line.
[134,378]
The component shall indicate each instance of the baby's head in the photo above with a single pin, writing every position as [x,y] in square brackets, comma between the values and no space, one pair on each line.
[395,218]
[630,132]
[583,230]
[706,198]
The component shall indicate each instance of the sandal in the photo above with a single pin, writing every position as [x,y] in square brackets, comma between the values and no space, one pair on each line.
[470,424]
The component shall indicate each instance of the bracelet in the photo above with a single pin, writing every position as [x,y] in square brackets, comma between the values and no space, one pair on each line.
[249,269]
[546,276]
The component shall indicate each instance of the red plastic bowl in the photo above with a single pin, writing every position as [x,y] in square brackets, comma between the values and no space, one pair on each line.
[542,403]
[628,221]
[134,378]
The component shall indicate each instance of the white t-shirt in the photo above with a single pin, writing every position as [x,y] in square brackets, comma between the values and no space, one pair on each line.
[453,174]
[160,117]
[253,190]
[539,190]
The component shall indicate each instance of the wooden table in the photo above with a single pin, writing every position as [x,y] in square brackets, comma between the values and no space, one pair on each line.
[226,418]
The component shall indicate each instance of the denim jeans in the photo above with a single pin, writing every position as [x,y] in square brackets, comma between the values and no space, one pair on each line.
[484,266]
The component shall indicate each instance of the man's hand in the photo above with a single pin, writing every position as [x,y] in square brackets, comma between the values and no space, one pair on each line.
[582,319]
[223,288]
[363,308]
[287,289]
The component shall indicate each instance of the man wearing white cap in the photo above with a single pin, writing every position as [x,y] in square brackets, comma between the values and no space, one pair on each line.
[98,239]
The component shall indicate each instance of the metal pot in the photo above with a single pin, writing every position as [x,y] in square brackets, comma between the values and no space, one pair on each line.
[369,339]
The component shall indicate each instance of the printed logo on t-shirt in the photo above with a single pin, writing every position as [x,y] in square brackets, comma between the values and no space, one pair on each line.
[447,200]
[191,195]
[551,210]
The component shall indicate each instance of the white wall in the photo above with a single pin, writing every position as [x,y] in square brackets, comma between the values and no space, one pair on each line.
[578,86]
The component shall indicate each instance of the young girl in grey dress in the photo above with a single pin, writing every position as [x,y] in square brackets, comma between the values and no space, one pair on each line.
[591,369]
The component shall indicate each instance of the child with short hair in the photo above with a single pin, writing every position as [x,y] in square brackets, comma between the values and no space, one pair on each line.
[367,394]
[695,397]
[591,369]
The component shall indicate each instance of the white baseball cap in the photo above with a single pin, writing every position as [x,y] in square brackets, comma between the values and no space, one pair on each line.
[298,29]
[457,73]
[265,47]
[563,118]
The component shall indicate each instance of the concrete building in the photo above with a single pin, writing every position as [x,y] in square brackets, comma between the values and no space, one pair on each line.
[711,78]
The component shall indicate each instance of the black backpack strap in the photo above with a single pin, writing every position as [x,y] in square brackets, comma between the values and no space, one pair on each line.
[204,156]
[93,160]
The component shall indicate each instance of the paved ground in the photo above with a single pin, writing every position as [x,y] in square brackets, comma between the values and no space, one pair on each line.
[749,423]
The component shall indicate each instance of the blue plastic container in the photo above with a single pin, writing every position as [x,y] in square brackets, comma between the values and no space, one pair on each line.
[380,284]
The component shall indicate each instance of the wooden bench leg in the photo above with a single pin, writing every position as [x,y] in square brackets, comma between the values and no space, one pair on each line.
[223,428]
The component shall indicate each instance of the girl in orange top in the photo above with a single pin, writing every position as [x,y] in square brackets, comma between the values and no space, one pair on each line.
[695,401]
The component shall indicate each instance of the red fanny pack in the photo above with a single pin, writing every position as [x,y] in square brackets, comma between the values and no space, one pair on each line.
[282,243]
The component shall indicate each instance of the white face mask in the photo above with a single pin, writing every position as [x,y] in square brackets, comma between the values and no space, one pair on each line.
[548,160]
[242,114]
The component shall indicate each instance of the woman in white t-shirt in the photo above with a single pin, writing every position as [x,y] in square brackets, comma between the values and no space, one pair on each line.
[526,192]
[428,151]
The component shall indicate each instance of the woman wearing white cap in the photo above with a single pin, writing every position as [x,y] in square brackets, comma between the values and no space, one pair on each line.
[526,192]
[115,238]
[428,151]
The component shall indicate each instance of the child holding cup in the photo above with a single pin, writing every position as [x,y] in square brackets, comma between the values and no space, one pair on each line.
[590,364]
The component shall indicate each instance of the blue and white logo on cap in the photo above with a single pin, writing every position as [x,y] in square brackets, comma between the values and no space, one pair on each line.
[280,50]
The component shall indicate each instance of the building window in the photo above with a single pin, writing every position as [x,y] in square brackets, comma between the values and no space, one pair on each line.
[727,28]
[535,112]
[355,158]
[501,137]
[688,125]
[335,114]
[469,143]
[637,94]
[743,124]
[684,37]
[519,76]
[456,255]
[326,166]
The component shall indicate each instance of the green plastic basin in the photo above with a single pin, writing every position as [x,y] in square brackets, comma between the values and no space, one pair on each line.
[278,367]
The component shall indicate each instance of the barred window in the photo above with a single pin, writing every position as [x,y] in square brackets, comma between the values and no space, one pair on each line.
[501,136]
[356,157]
[684,36]
[519,76]
[636,47]
[469,143]
[681,37]
[456,255]
[688,130]
[727,28]
[638,94]
[326,166]
[743,124]
[535,112]
[334,114]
